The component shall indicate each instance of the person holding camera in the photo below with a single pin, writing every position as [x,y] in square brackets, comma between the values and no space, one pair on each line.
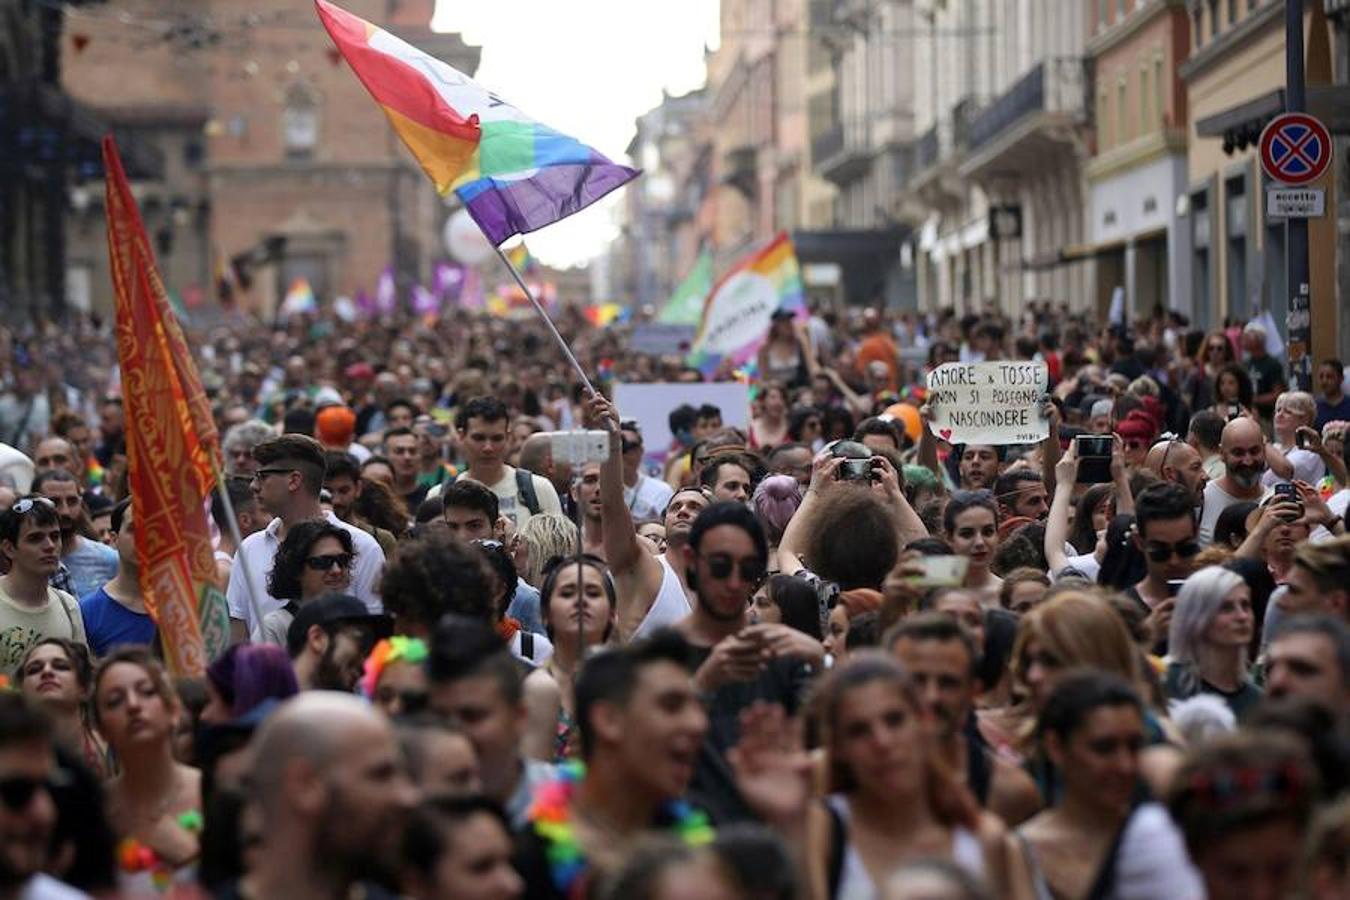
[1295,437]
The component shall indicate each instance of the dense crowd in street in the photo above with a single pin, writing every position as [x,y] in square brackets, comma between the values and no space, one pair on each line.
[824,655]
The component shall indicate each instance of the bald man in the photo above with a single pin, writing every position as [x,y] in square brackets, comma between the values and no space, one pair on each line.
[1243,448]
[1178,462]
[332,792]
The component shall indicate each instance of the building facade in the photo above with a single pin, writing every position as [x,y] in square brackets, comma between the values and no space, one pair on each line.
[281,166]
[1138,167]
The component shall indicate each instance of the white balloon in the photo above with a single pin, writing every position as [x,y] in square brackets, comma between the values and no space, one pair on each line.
[464,240]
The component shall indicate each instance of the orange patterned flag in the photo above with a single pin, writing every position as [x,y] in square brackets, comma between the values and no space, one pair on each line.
[173,450]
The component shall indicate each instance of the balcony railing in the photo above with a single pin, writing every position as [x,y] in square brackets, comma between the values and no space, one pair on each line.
[844,152]
[926,149]
[828,143]
[1056,85]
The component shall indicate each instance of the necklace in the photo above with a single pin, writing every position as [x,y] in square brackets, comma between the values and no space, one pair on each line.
[552,819]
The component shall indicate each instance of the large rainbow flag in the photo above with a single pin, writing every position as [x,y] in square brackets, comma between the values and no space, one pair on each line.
[513,174]
[173,450]
[738,312]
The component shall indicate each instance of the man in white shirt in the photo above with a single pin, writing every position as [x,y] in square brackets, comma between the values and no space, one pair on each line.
[1243,447]
[287,484]
[646,497]
[482,424]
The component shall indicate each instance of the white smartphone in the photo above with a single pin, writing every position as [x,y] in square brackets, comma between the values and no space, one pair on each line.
[942,571]
[579,447]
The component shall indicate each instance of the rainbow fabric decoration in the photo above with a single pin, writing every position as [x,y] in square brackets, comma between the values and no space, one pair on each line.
[738,312]
[551,817]
[513,174]
[388,651]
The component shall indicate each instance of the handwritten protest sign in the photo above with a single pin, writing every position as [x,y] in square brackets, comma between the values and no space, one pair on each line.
[988,402]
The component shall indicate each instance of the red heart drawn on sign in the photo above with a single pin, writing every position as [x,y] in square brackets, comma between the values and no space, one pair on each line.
[945,434]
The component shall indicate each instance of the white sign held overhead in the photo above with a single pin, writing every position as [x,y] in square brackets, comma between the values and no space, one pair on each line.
[1296,203]
[989,402]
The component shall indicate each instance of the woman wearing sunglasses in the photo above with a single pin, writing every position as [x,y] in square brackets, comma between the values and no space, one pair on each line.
[1211,630]
[314,559]
[1216,351]
[56,674]
[154,802]
[580,609]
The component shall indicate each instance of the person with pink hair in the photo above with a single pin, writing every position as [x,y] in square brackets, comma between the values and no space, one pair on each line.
[775,501]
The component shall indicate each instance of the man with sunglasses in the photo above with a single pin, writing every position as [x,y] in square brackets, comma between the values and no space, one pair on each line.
[1165,533]
[30,608]
[646,496]
[739,664]
[28,813]
[287,483]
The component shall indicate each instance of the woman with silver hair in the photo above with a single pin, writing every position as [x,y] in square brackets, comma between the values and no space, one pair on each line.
[239,443]
[1211,630]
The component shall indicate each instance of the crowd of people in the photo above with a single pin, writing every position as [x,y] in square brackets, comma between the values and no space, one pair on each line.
[823,655]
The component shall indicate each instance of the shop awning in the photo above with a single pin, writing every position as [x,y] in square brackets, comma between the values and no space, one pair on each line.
[1330,103]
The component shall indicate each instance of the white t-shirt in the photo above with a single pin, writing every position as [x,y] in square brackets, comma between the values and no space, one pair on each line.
[648,498]
[258,551]
[1308,467]
[1216,501]
[509,501]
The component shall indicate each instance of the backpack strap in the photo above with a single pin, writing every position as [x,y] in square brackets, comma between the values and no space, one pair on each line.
[525,489]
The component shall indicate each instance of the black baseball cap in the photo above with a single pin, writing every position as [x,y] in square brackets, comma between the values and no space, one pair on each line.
[334,608]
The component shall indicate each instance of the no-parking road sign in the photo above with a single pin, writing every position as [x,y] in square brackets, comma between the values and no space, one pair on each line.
[1295,148]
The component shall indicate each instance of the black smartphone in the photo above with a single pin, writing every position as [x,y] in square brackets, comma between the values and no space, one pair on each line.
[1234,411]
[1288,491]
[1094,458]
[1174,586]
[1300,439]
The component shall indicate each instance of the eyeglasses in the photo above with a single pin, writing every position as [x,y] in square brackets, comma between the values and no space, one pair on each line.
[17,791]
[720,567]
[326,561]
[1159,552]
[263,473]
[631,445]
[24,506]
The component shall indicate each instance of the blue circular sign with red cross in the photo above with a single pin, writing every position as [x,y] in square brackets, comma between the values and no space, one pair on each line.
[1295,148]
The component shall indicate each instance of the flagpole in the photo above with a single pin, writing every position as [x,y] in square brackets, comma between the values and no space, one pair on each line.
[544,315]
[239,557]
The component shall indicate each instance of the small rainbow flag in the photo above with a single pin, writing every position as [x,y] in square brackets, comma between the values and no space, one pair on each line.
[299,299]
[738,312]
[513,174]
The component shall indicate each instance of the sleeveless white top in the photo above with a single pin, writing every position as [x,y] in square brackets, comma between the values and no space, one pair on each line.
[856,884]
[670,606]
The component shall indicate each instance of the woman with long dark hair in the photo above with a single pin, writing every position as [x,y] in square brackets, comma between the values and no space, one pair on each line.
[580,609]
[155,802]
[1094,838]
[57,675]
[892,800]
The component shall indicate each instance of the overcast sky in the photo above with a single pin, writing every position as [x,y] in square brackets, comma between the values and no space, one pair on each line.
[587,68]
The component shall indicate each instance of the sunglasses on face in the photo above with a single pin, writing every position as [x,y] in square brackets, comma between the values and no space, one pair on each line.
[263,473]
[17,791]
[1159,552]
[24,506]
[326,561]
[720,567]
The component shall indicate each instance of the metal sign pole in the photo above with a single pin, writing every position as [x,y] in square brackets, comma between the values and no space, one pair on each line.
[1300,299]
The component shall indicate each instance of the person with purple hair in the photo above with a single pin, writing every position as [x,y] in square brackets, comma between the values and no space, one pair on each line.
[775,501]
[244,677]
